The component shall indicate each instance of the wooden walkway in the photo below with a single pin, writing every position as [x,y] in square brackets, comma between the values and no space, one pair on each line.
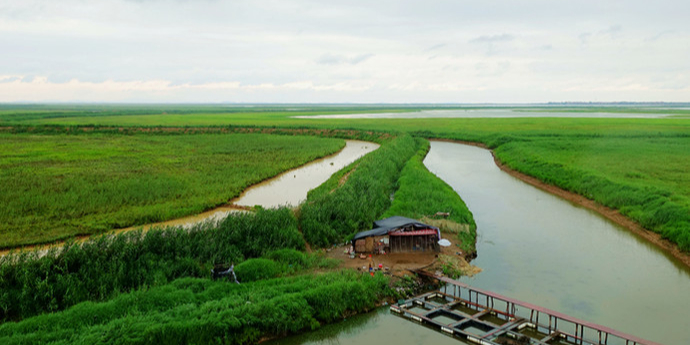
[487,318]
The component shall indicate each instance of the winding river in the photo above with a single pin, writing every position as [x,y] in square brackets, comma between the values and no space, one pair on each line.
[541,249]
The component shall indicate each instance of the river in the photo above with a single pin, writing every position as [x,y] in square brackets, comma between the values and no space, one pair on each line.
[291,187]
[484,113]
[542,249]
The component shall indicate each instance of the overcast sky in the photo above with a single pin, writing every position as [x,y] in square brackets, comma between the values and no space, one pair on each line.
[344,51]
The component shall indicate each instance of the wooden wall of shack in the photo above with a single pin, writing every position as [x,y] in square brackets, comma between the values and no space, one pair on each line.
[398,244]
[369,244]
[413,244]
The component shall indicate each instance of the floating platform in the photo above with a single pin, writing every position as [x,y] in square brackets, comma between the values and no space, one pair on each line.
[486,318]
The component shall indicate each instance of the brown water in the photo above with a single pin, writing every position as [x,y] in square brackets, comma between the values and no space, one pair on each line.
[290,188]
[541,249]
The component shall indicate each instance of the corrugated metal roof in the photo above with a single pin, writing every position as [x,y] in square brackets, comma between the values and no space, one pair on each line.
[424,232]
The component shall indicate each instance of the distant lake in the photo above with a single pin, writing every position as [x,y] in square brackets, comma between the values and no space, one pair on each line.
[483,113]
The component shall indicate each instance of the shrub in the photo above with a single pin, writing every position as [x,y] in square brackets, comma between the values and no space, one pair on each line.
[257,269]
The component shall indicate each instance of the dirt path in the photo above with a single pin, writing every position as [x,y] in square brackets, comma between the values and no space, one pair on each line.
[607,212]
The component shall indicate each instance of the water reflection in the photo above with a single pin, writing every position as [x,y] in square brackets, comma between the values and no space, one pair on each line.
[291,187]
[376,327]
[539,248]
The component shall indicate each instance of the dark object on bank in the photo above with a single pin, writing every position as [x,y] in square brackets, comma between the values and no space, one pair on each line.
[221,271]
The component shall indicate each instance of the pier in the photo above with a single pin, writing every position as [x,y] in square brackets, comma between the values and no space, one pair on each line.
[487,318]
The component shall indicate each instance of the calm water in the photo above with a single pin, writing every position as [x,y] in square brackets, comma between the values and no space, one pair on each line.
[542,249]
[377,327]
[477,113]
[291,187]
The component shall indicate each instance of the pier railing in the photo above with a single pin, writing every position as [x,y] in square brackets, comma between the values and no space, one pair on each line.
[487,318]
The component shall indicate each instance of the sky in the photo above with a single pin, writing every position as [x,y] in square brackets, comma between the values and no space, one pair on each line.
[373,51]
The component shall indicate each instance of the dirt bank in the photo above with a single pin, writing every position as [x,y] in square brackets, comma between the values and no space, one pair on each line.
[399,264]
[607,212]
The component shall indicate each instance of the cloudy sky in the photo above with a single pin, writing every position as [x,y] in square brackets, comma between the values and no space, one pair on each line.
[344,51]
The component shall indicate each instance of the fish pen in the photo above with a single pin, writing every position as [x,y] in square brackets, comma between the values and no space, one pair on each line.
[486,318]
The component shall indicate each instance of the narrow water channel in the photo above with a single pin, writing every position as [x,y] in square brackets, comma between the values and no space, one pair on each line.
[291,187]
[287,189]
[541,249]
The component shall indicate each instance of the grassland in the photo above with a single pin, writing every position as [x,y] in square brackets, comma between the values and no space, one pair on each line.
[57,186]
[153,288]
[645,154]
[622,153]
[170,114]
[421,194]
[200,311]
[645,179]
[105,266]
[351,200]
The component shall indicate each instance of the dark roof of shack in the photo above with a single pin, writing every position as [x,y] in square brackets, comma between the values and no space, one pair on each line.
[383,226]
[395,221]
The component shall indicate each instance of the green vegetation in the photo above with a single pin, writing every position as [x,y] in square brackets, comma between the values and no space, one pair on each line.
[638,142]
[103,267]
[421,194]
[334,211]
[645,178]
[57,186]
[146,287]
[200,311]
[171,114]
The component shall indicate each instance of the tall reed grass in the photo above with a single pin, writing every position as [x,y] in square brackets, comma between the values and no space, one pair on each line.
[421,194]
[201,311]
[55,186]
[106,266]
[351,200]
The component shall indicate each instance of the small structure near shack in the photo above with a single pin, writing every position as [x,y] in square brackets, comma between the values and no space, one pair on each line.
[397,235]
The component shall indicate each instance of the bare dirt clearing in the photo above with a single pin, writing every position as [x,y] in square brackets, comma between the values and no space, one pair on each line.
[400,264]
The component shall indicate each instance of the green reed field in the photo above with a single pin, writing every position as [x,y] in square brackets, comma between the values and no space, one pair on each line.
[57,186]
[200,311]
[132,285]
[621,154]
[154,287]
[421,194]
[264,245]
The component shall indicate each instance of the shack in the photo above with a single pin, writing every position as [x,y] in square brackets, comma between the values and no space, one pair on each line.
[397,235]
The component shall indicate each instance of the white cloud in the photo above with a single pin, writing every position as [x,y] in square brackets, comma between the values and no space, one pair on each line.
[330,59]
[343,51]
[493,38]
[18,88]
